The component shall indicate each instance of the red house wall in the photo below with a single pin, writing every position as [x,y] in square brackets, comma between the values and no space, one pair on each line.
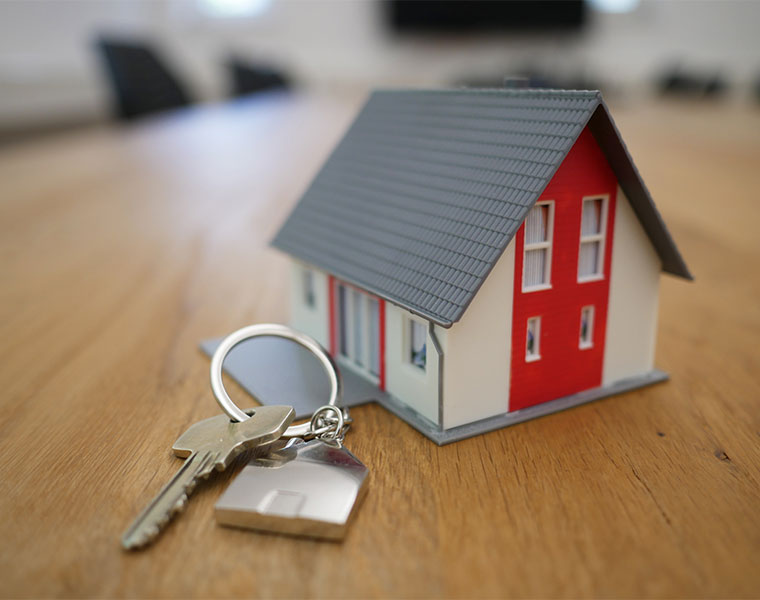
[564,368]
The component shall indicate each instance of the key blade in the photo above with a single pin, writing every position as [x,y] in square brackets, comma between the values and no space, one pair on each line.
[168,502]
[209,444]
[267,424]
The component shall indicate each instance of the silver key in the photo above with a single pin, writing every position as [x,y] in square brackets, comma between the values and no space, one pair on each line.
[207,445]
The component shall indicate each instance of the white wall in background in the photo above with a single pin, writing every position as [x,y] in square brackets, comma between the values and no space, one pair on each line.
[48,69]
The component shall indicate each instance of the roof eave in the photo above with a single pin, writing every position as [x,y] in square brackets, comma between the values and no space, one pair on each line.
[314,264]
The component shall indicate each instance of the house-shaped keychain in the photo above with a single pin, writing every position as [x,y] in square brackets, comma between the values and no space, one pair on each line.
[481,257]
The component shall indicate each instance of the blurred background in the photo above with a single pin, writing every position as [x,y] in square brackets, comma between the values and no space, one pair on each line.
[74,63]
[150,150]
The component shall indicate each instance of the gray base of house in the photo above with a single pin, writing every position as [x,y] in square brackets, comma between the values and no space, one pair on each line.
[305,387]
[446,436]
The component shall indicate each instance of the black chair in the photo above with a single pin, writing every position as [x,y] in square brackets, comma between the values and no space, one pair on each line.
[142,83]
[682,83]
[246,78]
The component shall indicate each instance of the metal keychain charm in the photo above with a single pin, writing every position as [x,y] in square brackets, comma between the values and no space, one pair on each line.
[308,486]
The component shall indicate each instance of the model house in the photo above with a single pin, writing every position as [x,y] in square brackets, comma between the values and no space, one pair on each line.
[481,257]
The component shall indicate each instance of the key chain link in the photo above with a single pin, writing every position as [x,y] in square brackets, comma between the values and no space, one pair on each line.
[330,428]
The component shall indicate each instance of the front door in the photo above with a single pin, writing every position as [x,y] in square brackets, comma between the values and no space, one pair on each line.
[357,330]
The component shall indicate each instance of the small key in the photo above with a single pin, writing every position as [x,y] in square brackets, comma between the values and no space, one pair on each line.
[207,445]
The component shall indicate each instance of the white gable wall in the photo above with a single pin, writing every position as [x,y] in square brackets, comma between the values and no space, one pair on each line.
[411,385]
[310,320]
[478,350]
[634,286]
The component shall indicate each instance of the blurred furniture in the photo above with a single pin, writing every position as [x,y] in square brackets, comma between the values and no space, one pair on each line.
[123,248]
[682,83]
[248,78]
[140,80]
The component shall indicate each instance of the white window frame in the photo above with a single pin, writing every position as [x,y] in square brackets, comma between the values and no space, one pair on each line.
[588,343]
[600,237]
[408,339]
[353,355]
[538,246]
[537,336]
[308,288]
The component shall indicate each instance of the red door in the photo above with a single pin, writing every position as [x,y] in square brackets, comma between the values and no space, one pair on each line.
[562,274]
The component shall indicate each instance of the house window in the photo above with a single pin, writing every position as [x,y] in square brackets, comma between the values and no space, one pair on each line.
[343,320]
[533,339]
[417,341]
[591,255]
[357,314]
[587,327]
[358,322]
[307,287]
[374,335]
[538,247]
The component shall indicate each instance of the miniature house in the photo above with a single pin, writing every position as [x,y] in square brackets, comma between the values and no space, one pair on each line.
[481,257]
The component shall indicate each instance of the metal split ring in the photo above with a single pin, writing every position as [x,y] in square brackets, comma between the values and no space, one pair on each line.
[328,429]
[313,346]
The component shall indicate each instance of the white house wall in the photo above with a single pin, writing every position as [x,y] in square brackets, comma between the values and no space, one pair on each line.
[309,319]
[478,350]
[411,385]
[634,286]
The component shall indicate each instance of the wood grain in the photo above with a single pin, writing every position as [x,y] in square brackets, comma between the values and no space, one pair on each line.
[120,249]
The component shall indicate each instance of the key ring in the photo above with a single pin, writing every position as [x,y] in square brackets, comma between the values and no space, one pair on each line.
[281,331]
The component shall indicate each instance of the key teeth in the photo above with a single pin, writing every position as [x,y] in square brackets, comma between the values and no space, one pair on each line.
[148,534]
[146,537]
[151,534]
[179,506]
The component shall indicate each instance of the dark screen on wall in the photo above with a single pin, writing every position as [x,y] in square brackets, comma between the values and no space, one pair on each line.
[483,15]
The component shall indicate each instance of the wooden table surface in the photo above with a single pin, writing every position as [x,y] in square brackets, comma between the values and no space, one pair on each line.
[121,248]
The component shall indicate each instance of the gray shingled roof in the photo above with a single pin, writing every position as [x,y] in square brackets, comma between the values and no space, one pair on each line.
[427,188]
